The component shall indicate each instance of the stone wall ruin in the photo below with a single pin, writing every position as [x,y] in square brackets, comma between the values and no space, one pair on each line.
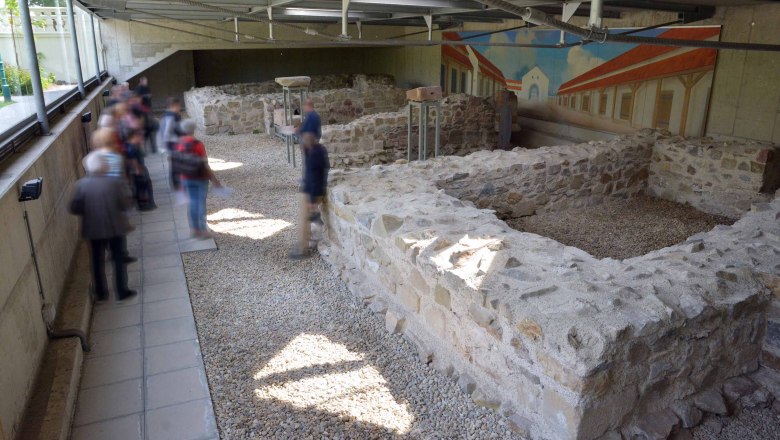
[717,177]
[467,125]
[565,345]
[248,108]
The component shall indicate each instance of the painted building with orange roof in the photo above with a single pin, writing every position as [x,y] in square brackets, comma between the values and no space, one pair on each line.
[650,86]
[465,70]
[515,86]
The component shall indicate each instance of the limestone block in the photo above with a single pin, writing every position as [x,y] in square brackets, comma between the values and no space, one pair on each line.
[467,384]
[711,401]
[293,81]
[408,297]
[657,426]
[688,414]
[442,296]
[394,322]
[737,387]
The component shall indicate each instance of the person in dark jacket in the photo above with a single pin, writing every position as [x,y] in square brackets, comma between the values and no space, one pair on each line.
[312,122]
[314,185]
[101,202]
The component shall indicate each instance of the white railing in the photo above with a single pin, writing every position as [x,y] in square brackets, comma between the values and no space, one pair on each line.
[52,20]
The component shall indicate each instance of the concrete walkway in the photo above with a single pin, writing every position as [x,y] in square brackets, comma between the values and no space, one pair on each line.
[144,378]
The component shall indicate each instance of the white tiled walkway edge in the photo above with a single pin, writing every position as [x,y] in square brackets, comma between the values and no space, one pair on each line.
[144,378]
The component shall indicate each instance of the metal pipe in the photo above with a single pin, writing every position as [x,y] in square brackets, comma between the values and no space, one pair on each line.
[232,12]
[409,138]
[201,25]
[94,47]
[235,25]
[270,23]
[75,42]
[596,11]
[70,333]
[35,72]
[181,30]
[344,18]
[602,35]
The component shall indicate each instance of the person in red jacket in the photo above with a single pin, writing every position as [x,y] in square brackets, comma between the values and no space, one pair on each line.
[197,184]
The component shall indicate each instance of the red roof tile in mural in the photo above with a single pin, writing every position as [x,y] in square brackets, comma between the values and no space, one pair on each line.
[689,60]
[486,67]
[514,85]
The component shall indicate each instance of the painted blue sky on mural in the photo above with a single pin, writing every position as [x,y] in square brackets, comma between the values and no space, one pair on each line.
[560,65]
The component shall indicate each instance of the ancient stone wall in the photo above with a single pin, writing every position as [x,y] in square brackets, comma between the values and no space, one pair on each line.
[718,177]
[565,345]
[248,108]
[524,182]
[467,125]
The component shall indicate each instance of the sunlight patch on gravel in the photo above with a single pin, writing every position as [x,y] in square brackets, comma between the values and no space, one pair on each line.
[245,224]
[327,376]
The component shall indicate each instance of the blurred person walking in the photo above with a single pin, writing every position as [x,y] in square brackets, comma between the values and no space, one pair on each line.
[313,188]
[169,132]
[138,174]
[101,202]
[311,122]
[190,162]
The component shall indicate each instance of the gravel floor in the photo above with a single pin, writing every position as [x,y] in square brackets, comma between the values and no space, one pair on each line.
[621,229]
[289,352]
[752,424]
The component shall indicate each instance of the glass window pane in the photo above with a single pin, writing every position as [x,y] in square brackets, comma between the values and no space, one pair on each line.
[454,81]
[55,50]
[86,49]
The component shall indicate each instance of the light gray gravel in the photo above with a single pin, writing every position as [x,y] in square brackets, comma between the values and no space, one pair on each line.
[621,229]
[289,352]
[751,424]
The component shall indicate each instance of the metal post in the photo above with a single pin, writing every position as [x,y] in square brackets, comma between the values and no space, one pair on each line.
[360,29]
[270,23]
[235,25]
[421,135]
[75,42]
[425,126]
[438,128]
[95,48]
[409,135]
[429,23]
[344,18]
[35,72]
[596,10]
[569,8]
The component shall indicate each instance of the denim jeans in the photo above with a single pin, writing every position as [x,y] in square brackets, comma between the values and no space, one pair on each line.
[197,191]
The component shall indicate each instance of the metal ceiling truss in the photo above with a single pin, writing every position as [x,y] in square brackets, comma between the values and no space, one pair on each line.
[384,12]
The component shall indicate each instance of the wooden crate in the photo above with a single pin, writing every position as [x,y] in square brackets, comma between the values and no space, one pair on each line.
[424,94]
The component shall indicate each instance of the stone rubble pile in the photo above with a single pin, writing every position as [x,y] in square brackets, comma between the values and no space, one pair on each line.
[718,177]
[249,108]
[467,125]
[565,345]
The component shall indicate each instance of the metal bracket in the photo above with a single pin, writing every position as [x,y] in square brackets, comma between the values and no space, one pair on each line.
[569,8]
[429,22]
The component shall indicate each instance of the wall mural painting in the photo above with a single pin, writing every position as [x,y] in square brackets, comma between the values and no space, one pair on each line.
[611,87]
